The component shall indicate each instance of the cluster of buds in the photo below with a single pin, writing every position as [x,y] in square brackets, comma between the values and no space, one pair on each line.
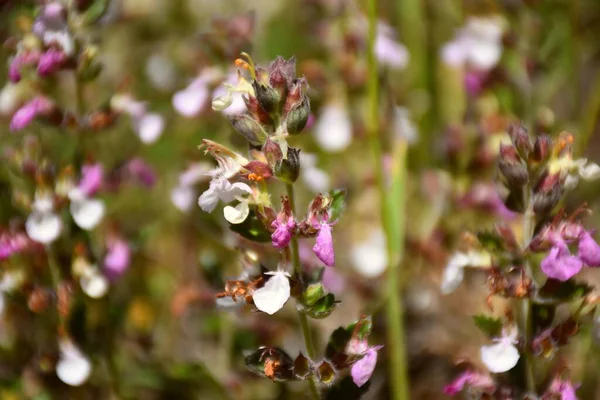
[533,177]
[276,108]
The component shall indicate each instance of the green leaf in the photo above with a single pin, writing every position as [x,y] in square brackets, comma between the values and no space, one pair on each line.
[491,326]
[491,241]
[555,291]
[322,308]
[313,293]
[252,229]
[95,11]
[338,204]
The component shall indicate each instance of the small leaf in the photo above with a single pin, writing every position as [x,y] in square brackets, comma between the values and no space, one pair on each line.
[301,366]
[555,291]
[252,229]
[491,326]
[322,308]
[313,293]
[326,373]
[95,11]
[338,204]
[491,241]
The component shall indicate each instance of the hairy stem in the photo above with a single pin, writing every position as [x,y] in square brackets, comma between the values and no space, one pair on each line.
[308,341]
[392,199]
[526,317]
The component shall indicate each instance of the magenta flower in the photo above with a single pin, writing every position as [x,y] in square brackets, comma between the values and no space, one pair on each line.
[323,248]
[362,370]
[143,172]
[471,379]
[284,229]
[19,61]
[564,389]
[11,244]
[27,113]
[92,176]
[51,61]
[560,264]
[589,251]
[118,258]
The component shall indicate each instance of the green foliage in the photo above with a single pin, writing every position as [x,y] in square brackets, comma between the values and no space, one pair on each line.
[490,326]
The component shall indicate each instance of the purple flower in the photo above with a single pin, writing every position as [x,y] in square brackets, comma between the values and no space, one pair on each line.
[118,258]
[19,61]
[589,251]
[560,264]
[283,231]
[27,113]
[332,281]
[12,244]
[142,171]
[469,378]
[564,389]
[51,61]
[92,176]
[323,248]
[363,369]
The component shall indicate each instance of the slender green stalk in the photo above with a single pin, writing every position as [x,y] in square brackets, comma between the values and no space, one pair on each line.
[392,214]
[526,317]
[55,275]
[308,341]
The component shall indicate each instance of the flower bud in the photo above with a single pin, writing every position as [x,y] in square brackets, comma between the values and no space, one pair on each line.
[541,148]
[520,138]
[547,194]
[288,169]
[267,97]
[272,152]
[249,128]
[39,300]
[511,166]
[256,111]
[297,117]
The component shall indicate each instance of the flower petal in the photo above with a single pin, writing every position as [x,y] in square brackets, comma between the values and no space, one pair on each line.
[150,127]
[237,214]
[363,369]
[560,265]
[323,247]
[271,297]
[87,213]
[500,357]
[333,130]
[73,368]
[94,284]
[43,227]
[182,197]
[190,101]
[589,251]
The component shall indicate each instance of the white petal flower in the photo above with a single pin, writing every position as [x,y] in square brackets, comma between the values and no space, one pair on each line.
[73,367]
[221,189]
[404,126]
[454,54]
[210,198]
[501,356]
[43,227]
[454,271]
[161,72]
[190,101]
[149,127]
[313,177]
[87,213]
[231,191]
[387,50]
[333,130]
[237,214]
[369,258]
[94,284]
[590,172]
[453,276]
[271,297]
[195,173]
[182,197]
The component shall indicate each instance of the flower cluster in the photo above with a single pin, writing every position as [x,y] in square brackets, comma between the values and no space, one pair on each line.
[538,270]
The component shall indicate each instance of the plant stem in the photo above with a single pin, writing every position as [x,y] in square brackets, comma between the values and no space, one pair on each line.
[55,276]
[308,341]
[392,200]
[526,322]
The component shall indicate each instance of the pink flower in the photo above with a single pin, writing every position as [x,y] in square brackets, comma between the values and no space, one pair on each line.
[143,172]
[51,61]
[11,244]
[92,176]
[284,228]
[560,264]
[118,258]
[323,248]
[27,113]
[564,389]
[362,370]
[589,251]
[332,281]
[19,61]
[471,379]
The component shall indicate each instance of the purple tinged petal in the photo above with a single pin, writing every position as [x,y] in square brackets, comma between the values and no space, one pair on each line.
[333,282]
[363,369]
[323,248]
[589,251]
[142,171]
[51,61]
[92,176]
[560,265]
[469,378]
[118,258]
[283,233]
[28,112]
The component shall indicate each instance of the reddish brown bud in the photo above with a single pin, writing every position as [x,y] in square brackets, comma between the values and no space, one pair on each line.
[272,152]
[511,166]
[520,138]
[547,194]
[541,148]
[38,300]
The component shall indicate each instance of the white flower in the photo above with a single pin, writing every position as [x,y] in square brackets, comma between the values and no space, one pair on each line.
[221,189]
[237,214]
[149,127]
[73,367]
[93,283]
[43,225]
[333,130]
[404,126]
[370,257]
[161,72]
[574,169]
[191,100]
[501,356]
[387,50]
[313,177]
[271,297]
[195,173]
[454,271]
[183,197]
[87,213]
[478,44]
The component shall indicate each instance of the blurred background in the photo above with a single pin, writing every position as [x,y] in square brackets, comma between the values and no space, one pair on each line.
[453,75]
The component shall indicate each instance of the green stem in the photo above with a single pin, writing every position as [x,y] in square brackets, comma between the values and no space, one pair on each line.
[527,321]
[308,341]
[55,275]
[392,200]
